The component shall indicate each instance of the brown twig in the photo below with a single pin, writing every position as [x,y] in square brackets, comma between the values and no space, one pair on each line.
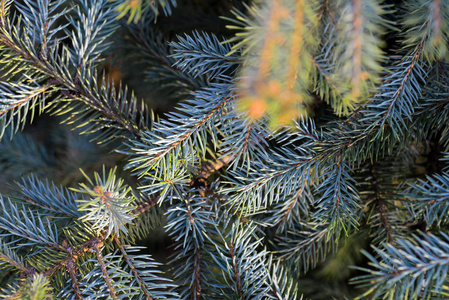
[236,270]
[97,249]
[71,268]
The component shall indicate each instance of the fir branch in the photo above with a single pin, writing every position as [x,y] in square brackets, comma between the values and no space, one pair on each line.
[9,258]
[71,269]
[39,18]
[358,56]
[296,44]
[261,191]
[144,274]
[430,199]
[109,204]
[383,120]
[307,245]
[113,108]
[380,206]
[325,86]
[255,190]
[97,248]
[278,27]
[357,40]
[434,109]
[48,197]
[413,269]
[197,282]
[339,200]
[289,212]
[28,225]
[235,264]
[295,199]
[243,139]
[34,287]
[190,129]
[192,235]
[403,90]
[283,285]
[18,100]
[202,53]
[137,8]
[241,263]
[133,268]
[76,253]
[93,24]
[151,50]
[110,107]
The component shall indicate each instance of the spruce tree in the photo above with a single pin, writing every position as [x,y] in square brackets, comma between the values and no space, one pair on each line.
[300,152]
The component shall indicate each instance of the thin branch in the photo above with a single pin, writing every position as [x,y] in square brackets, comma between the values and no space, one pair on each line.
[325,75]
[97,249]
[380,205]
[236,270]
[14,263]
[147,49]
[145,206]
[131,265]
[187,134]
[74,88]
[196,288]
[294,200]
[24,100]
[32,202]
[75,253]
[296,45]
[406,78]
[71,268]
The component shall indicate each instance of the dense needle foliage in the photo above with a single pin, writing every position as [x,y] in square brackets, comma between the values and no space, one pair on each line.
[301,151]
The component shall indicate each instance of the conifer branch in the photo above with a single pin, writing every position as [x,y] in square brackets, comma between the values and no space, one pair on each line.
[235,193]
[165,141]
[145,206]
[304,249]
[380,205]
[296,44]
[236,271]
[97,249]
[197,274]
[430,199]
[26,99]
[432,37]
[294,201]
[153,51]
[11,258]
[71,268]
[326,76]
[75,88]
[75,253]
[415,267]
[133,268]
[25,224]
[203,54]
